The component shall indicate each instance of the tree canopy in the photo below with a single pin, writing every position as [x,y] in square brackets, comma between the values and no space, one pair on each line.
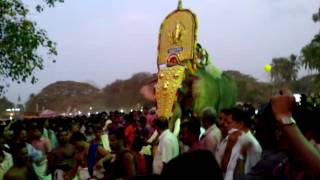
[20,42]
[284,70]
[310,54]
[4,104]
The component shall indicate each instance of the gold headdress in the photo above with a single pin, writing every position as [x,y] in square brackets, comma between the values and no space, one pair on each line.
[178,36]
[176,50]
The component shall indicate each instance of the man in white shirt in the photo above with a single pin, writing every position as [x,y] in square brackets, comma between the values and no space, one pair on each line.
[242,148]
[212,135]
[224,121]
[168,147]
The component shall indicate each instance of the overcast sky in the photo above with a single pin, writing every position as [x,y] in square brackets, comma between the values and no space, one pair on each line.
[99,41]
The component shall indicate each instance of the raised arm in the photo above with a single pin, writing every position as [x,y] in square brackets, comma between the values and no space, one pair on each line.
[282,107]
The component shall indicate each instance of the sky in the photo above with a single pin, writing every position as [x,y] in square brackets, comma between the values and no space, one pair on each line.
[99,41]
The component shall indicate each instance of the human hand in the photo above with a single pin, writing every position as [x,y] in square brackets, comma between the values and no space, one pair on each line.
[282,106]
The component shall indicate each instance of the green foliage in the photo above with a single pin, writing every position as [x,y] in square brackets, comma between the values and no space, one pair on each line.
[284,70]
[307,84]
[310,54]
[50,3]
[249,89]
[4,104]
[316,16]
[20,41]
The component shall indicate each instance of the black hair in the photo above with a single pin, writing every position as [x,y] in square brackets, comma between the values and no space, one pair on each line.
[199,163]
[77,136]
[117,132]
[97,127]
[17,127]
[15,150]
[239,115]
[193,126]
[161,123]
[143,119]
[63,129]
[129,118]
[266,127]
[226,111]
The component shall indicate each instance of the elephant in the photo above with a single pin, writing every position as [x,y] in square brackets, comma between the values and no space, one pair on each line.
[187,81]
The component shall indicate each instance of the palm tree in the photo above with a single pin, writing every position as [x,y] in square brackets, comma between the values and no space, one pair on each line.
[284,70]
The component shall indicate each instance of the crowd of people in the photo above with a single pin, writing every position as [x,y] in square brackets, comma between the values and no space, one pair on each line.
[278,140]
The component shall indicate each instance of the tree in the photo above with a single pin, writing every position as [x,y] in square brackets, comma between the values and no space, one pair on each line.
[4,104]
[310,57]
[310,54]
[249,89]
[20,40]
[284,70]
[316,16]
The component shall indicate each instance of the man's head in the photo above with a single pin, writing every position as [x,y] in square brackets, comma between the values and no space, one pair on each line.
[19,132]
[224,120]
[75,127]
[145,111]
[78,140]
[63,136]
[190,131]
[208,117]
[161,124]
[89,129]
[143,121]
[239,119]
[21,135]
[116,139]
[20,154]
[35,132]
[98,131]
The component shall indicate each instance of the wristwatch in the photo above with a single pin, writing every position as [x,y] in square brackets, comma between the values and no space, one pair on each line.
[288,121]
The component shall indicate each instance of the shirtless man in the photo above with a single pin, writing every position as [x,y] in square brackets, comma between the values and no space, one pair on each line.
[42,144]
[85,155]
[63,155]
[21,169]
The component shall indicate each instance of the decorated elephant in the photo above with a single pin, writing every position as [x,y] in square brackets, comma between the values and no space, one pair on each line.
[187,82]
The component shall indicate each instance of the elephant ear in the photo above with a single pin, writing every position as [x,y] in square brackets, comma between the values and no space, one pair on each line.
[228,92]
[205,91]
[148,90]
[213,71]
[213,89]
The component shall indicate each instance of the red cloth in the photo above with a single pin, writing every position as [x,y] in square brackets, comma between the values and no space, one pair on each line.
[142,169]
[129,133]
